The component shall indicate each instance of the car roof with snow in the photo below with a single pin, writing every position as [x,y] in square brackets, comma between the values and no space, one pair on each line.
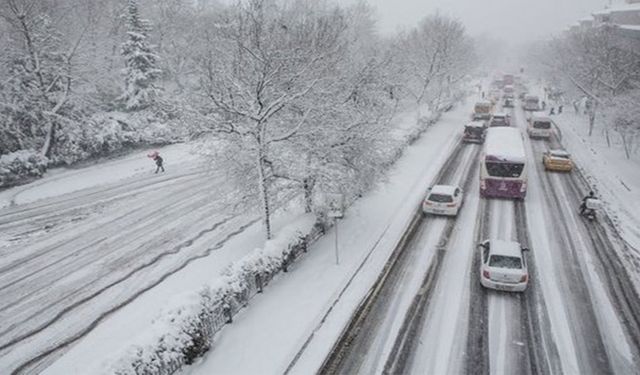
[476,124]
[559,153]
[500,114]
[531,97]
[505,143]
[484,102]
[443,189]
[505,248]
[540,119]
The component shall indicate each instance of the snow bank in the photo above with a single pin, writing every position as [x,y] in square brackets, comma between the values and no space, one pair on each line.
[185,330]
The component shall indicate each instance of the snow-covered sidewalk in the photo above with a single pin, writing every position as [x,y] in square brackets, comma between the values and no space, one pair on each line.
[615,178]
[310,305]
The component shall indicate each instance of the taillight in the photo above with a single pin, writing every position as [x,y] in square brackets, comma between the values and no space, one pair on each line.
[524,278]
[523,187]
[486,274]
[483,184]
[451,205]
[428,203]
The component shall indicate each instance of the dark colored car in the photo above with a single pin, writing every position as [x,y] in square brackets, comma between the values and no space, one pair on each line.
[474,132]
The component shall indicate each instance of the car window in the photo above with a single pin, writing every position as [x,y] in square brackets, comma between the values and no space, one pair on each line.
[501,261]
[440,198]
[541,125]
[485,254]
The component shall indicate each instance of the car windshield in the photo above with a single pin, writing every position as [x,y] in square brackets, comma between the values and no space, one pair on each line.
[542,125]
[561,156]
[501,261]
[440,198]
[502,169]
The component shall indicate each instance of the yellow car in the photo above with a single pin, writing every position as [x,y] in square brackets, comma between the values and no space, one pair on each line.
[557,160]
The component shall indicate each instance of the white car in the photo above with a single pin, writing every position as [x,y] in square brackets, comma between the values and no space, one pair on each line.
[503,265]
[443,200]
[500,119]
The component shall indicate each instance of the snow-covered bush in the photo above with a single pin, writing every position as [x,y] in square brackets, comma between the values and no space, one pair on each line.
[21,165]
[109,132]
[185,331]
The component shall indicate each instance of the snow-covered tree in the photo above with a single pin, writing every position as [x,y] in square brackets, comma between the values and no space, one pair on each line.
[141,72]
[39,76]
[625,119]
[432,57]
[591,63]
[261,62]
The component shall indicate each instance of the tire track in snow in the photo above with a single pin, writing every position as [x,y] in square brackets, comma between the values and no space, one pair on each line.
[84,331]
[75,262]
[592,353]
[352,347]
[405,344]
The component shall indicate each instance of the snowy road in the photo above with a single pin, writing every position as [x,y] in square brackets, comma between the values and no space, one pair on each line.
[377,334]
[579,314]
[73,260]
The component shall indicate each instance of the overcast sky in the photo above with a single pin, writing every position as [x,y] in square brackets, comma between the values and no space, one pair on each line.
[512,20]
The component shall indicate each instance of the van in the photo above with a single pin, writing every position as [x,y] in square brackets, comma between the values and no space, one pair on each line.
[540,127]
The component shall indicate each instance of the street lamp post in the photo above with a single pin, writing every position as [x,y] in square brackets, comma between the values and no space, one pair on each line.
[336,211]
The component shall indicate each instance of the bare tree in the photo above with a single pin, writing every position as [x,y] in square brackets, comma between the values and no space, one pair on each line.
[591,61]
[262,60]
[433,55]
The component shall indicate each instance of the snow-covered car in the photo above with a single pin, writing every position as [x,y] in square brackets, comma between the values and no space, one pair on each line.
[539,127]
[509,91]
[474,132]
[500,119]
[557,160]
[508,103]
[503,265]
[443,200]
[482,110]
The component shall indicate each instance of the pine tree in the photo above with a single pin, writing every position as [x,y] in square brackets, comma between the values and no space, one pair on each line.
[141,70]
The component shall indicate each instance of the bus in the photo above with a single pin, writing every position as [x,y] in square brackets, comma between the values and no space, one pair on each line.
[531,103]
[503,172]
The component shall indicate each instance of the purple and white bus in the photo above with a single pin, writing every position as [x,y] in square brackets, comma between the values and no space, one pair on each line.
[503,172]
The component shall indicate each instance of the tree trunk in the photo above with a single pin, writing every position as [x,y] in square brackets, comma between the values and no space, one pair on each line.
[46,147]
[308,184]
[264,197]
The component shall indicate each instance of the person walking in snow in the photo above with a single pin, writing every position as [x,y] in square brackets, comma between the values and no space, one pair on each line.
[560,108]
[159,161]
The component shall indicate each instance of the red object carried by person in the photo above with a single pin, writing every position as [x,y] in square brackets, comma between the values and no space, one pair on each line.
[153,154]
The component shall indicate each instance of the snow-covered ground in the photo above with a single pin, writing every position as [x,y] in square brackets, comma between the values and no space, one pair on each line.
[309,306]
[614,177]
[571,319]
[114,331]
[60,181]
